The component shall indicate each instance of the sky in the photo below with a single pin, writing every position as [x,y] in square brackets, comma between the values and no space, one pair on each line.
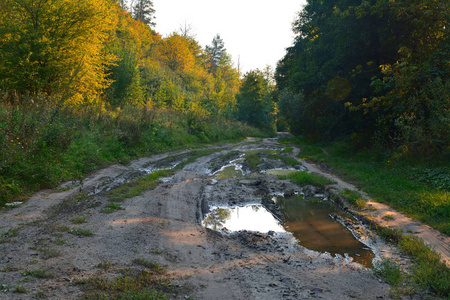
[255,32]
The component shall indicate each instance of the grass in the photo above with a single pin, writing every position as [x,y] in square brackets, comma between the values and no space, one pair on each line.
[43,146]
[136,285]
[39,273]
[137,187]
[411,185]
[304,178]
[81,232]
[287,160]
[152,265]
[78,219]
[253,160]
[354,198]
[110,208]
[428,272]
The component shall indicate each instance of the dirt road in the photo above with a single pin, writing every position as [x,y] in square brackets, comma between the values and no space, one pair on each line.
[43,236]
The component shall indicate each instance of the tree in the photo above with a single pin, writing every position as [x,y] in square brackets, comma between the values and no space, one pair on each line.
[55,47]
[254,101]
[217,54]
[143,11]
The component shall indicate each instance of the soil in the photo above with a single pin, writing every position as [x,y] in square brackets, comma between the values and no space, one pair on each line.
[164,225]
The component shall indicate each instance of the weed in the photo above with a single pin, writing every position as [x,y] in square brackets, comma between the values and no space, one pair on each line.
[8,268]
[20,289]
[61,228]
[152,265]
[137,187]
[81,232]
[38,273]
[354,198]
[105,265]
[78,219]
[304,178]
[60,241]
[388,217]
[288,150]
[47,253]
[112,207]
[40,295]
[142,285]
[287,160]
[252,159]
[390,272]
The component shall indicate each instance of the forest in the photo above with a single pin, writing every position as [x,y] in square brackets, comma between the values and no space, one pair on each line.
[84,83]
[375,73]
[88,82]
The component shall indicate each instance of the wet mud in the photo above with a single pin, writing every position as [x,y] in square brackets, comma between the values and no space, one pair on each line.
[165,225]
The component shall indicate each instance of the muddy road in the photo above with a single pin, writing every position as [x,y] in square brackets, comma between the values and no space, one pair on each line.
[59,238]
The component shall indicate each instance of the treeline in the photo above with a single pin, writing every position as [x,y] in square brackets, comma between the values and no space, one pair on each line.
[76,51]
[84,83]
[374,72]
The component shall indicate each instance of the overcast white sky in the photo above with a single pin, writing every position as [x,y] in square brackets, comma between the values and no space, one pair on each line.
[257,31]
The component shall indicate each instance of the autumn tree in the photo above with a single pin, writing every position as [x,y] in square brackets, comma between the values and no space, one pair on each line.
[55,47]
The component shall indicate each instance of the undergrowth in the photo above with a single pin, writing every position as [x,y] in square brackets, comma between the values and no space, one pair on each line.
[42,146]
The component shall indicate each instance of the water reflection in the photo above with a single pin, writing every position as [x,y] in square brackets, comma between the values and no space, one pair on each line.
[311,224]
[253,217]
[217,218]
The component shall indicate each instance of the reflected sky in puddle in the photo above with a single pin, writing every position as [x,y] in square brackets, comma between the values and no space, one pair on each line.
[254,217]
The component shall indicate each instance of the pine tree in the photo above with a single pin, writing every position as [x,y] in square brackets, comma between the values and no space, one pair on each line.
[143,11]
[216,53]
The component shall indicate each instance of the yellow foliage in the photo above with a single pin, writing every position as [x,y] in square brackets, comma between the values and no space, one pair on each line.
[55,47]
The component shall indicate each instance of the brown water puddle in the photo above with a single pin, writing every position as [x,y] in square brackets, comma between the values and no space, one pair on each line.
[310,223]
[308,220]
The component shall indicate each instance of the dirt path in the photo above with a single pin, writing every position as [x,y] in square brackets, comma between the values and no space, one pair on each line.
[164,225]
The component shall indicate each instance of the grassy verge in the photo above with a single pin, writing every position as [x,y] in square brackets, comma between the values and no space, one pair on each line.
[43,146]
[427,273]
[414,186]
[305,178]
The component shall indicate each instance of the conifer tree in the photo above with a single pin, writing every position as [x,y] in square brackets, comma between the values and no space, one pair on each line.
[143,11]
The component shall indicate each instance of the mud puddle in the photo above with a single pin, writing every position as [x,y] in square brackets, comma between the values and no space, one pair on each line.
[309,221]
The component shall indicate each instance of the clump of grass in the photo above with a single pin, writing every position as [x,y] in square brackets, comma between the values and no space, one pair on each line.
[138,187]
[152,265]
[252,159]
[288,150]
[390,272]
[8,268]
[78,219]
[81,232]
[354,198]
[47,252]
[143,285]
[112,207]
[20,289]
[38,273]
[304,178]
[105,265]
[287,160]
